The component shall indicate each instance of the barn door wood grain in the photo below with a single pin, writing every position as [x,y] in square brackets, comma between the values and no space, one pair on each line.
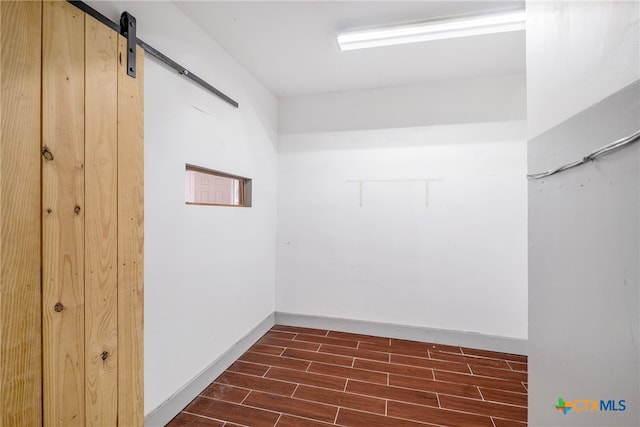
[20,297]
[101,224]
[92,224]
[130,239]
[71,220]
[63,202]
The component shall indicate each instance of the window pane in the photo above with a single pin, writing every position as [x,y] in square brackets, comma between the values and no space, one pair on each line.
[215,188]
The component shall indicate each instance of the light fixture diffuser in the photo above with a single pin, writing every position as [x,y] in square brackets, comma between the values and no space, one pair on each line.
[433,30]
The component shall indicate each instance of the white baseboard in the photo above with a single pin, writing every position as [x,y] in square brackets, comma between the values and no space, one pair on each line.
[171,407]
[414,333]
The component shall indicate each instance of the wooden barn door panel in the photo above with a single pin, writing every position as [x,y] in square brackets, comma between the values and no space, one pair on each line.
[101,226]
[20,297]
[71,220]
[130,239]
[63,205]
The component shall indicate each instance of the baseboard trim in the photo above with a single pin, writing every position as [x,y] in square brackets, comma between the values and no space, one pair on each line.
[414,333]
[171,407]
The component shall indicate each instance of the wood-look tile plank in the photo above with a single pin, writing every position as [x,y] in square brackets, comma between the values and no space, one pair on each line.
[421,351]
[507,423]
[502,396]
[248,368]
[240,414]
[392,368]
[471,360]
[326,340]
[517,366]
[503,374]
[307,378]
[353,418]
[393,393]
[437,416]
[424,362]
[256,383]
[267,349]
[347,372]
[495,355]
[486,382]
[300,330]
[358,337]
[290,343]
[280,335]
[185,419]
[339,398]
[454,389]
[225,392]
[354,352]
[291,406]
[412,345]
[445,348]
[510,412]
[318,357]
[291,421]
[267,359]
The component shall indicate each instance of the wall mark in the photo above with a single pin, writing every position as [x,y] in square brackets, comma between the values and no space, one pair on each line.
[426,181]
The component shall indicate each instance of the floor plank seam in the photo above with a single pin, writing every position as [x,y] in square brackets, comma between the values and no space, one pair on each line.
[335,420]
[204,416]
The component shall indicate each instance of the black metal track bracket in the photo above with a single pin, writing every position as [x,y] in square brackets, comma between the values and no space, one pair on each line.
[128,30]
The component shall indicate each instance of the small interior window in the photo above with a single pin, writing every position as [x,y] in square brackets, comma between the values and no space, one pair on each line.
[208,187]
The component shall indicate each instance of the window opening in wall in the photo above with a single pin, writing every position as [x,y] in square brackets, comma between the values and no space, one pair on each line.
[209,187]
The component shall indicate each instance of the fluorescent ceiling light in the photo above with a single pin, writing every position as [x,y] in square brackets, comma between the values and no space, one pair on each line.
[433,30]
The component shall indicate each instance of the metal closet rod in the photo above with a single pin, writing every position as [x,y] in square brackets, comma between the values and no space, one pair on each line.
[154,52]
[615,145]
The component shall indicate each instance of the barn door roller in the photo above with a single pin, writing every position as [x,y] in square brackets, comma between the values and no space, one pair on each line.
[128,30]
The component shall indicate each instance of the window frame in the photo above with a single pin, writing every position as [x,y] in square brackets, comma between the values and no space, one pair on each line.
[244,186]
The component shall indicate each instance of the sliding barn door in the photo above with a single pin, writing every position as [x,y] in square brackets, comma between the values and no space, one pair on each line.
[72,206]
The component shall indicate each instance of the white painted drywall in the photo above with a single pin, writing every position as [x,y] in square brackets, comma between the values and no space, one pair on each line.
[488,99]
[584,235]
[578,52]
[453,258]
[209,271]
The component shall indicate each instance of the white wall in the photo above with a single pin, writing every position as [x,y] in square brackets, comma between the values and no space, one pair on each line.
[489,99]
[578,52]
[384,255]
[584,235]
[209,271]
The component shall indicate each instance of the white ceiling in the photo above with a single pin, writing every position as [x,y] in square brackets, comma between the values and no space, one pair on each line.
[290,46]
